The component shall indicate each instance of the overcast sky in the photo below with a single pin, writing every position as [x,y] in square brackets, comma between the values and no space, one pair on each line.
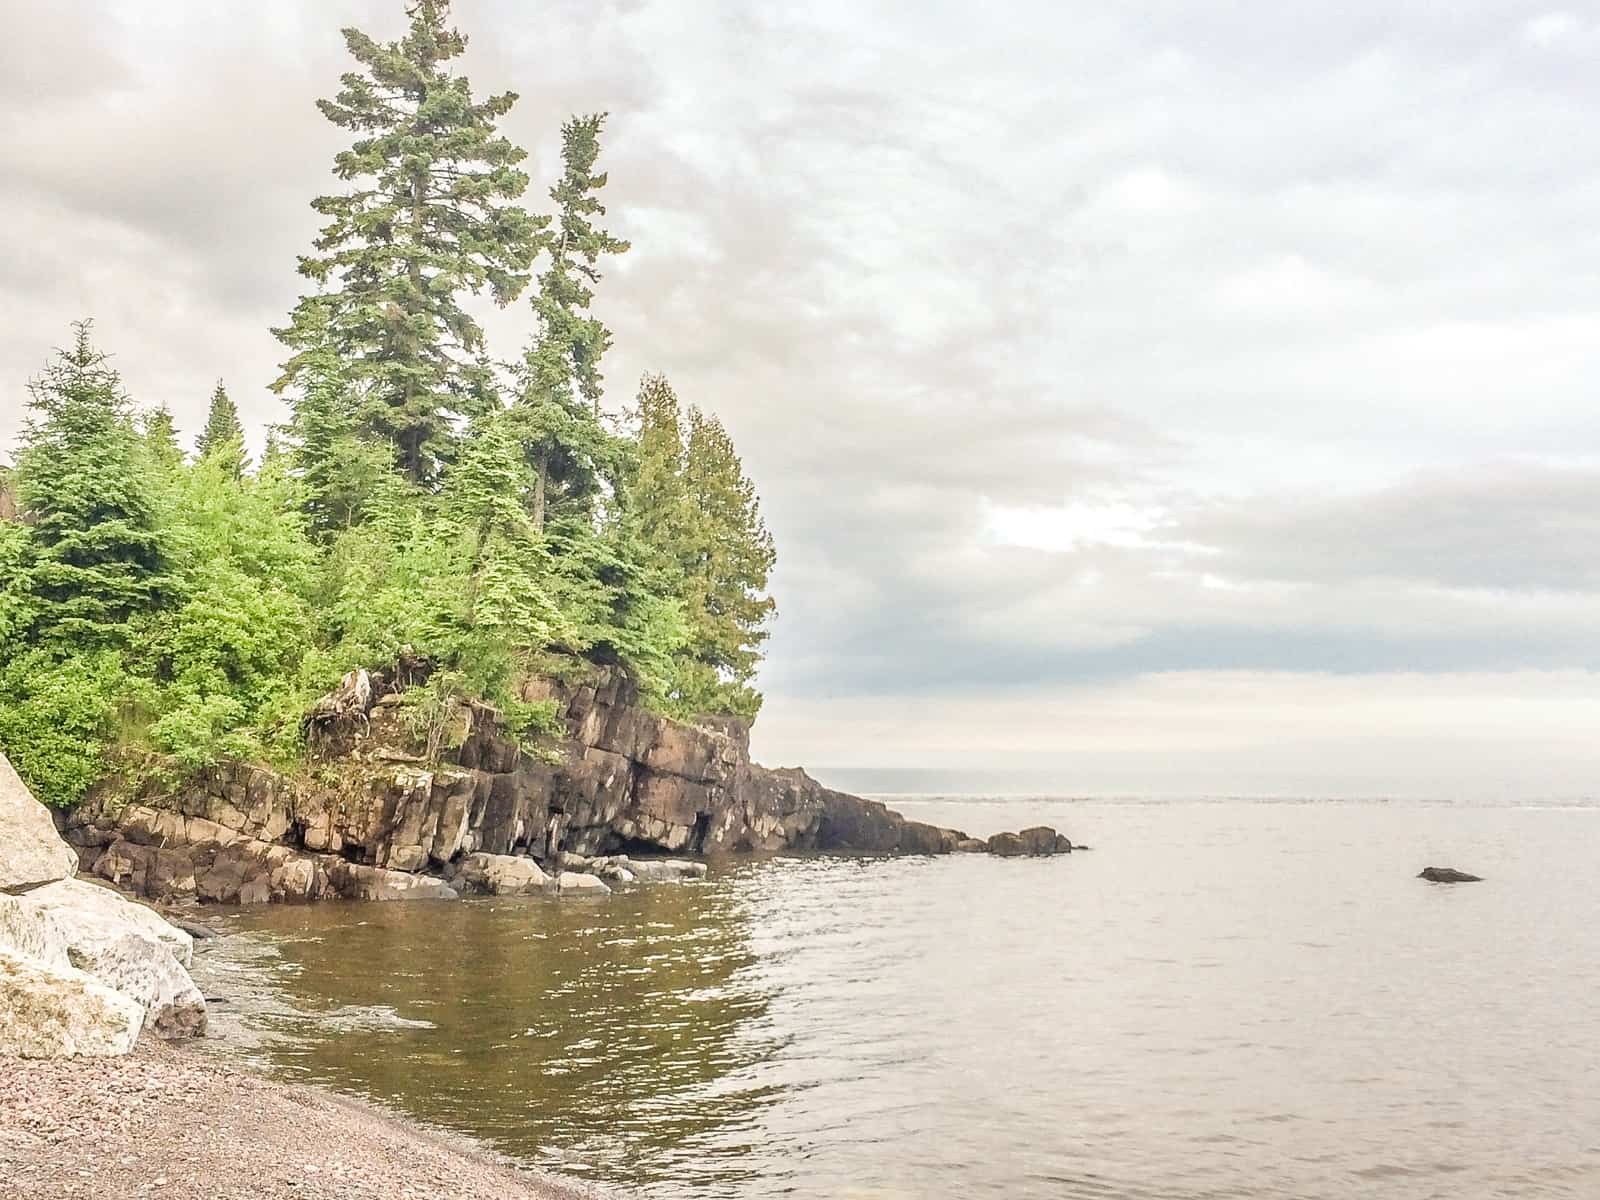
[1159,395]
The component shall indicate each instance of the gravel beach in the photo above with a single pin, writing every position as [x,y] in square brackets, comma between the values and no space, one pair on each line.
[176,1124]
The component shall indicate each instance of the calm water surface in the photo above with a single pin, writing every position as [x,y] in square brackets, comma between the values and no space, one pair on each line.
[1223,999]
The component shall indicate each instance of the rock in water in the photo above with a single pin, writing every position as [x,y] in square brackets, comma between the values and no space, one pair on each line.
[501,875]
[31,852]
[658,869]
[59,1012]
[1041,839]
[579,881]
[1447,875]
[1007,845]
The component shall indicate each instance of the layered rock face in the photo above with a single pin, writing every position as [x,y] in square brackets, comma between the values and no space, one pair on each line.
[621,781]
[82,970]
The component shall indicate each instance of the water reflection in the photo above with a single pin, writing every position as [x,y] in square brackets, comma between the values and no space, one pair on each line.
[609,1039]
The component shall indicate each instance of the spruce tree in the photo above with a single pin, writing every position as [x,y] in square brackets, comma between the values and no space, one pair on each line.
[561,384]
[432,219]
[161,437]
[93,557]
[658,501]
[733,557]
[338,469]
[223,435]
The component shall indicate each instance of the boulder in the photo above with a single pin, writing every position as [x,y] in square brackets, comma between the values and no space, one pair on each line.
[1007,845]
[579,881]
[1447,875]
[31,851]
[59,1012]
[1039,839]
[655,870]
[30,931]
[130,948]
[379,883]
[74,898]
[1063,844]
[500,875]
[972,846]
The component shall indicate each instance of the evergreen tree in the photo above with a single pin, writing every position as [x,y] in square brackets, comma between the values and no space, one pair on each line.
[93,556]
[432,220]
[161,437]
[505,591]
[339,470]
[658,500]
[690,502]
[561,385]
[727,578]
[223,435]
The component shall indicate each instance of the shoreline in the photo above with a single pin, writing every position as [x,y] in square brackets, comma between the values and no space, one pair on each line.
[180,1123]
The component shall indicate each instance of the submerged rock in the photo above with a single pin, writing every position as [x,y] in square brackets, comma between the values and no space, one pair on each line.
[1447,875]
[31,852]
[58,1012]
[657,869]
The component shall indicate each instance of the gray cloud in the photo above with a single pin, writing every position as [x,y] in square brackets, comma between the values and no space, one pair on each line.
[1068,346]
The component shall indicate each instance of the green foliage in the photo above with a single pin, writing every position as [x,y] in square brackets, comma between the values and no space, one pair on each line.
[166,612]
[223,436]
[430,220]
[93,557]
[559,380]
[691,502]
[160,438]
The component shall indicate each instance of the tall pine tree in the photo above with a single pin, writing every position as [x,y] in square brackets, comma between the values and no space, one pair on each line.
[733,556]
[432,219]
[568,449]
[161,437]
[223,435]
[691,503]
[93,557]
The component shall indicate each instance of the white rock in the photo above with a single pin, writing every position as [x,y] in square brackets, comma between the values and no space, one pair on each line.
[130,948]
[656,869]
[33,932]
[30,849]
[360,882]
[581,881]
[614,873]
[59,1012]
[501,874]
[79,895]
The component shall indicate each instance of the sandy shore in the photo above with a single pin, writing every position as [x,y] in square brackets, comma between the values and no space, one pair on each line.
[176,1124]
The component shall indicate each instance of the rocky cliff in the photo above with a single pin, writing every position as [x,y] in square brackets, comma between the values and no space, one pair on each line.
[374,820]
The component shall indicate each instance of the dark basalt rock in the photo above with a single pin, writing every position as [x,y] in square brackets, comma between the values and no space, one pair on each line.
[1447,875]
[381,822]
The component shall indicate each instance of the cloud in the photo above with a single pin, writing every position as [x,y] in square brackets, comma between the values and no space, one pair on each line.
[1503,527]
[1095,344]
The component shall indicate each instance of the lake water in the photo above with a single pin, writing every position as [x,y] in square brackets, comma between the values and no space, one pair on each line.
[1222,999]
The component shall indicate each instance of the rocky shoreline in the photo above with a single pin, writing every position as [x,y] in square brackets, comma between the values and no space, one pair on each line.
[617,790]
[175,1122]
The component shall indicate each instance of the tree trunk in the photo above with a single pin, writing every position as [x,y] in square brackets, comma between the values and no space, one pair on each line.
[538,490]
